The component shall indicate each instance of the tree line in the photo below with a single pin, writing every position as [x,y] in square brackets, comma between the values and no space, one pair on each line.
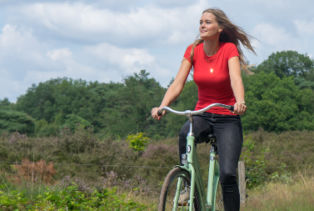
[279,96]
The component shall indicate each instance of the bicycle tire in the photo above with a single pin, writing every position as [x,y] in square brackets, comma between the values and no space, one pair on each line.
[169,188]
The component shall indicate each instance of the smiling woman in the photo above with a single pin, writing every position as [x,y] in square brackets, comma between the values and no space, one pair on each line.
[214,22]
[216,58]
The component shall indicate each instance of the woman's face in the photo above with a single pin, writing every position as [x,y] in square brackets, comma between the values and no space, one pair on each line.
[209,27]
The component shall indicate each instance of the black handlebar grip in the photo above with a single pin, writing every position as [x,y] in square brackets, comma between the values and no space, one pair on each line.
[159,112]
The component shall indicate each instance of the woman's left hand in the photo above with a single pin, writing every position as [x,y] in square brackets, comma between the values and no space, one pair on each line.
[239,108]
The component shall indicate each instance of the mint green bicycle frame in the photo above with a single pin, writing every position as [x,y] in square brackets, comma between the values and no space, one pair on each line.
[207,201]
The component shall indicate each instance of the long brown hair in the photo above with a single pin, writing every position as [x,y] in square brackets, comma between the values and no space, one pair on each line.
[230,33]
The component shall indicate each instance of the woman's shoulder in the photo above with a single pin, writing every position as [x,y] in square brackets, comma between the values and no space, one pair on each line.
[192,44]
[228,45]
[196,48]
[229,49]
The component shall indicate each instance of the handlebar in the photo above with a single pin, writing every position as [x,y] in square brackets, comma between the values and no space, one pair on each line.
[191,113]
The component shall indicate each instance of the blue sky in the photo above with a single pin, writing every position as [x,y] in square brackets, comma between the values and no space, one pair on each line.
[108,40]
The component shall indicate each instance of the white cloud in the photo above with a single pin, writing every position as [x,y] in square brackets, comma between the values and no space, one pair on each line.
[24,60]
[85,22]
[10,36]
[10,87]
[271,35]
[19,45]
[127,59]
[271,38]
[59,54]
[305,27]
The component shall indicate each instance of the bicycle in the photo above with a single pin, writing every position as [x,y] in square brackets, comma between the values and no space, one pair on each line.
[187,177]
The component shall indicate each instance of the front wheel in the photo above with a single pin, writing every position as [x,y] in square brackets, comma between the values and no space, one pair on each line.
[176,182]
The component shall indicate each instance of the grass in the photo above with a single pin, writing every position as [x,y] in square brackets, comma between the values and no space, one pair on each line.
[296,196]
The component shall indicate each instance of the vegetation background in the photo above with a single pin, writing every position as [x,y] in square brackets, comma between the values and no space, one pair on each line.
[72,144]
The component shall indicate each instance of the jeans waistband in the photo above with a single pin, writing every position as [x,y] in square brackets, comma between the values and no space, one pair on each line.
[213,115]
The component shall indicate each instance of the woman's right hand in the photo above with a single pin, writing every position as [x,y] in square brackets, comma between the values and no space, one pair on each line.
[154,113]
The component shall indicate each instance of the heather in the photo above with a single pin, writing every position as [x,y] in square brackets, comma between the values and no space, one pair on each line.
[81,163]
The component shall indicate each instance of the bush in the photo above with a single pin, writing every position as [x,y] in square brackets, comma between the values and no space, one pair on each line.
[137,141]
[274,157]
[74,122]
[43,128]
[14,121]
[68,198]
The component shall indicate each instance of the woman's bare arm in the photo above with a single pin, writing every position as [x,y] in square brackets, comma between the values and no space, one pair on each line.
[237,85]
[175,88]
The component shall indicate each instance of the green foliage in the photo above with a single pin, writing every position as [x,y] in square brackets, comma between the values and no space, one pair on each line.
[275,157]
[186,100]
[254,163]
[14,121]
[137,141]
[58,96]
[68,198]
[281,95]
[73,122]
[277,104]
[113,110]
[131,110]
[43,128]
[288,63]
[5,104]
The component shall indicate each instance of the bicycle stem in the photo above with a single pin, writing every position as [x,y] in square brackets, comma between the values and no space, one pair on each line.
[191,125]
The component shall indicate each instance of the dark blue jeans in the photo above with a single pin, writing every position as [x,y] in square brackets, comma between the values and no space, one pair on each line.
[228,132]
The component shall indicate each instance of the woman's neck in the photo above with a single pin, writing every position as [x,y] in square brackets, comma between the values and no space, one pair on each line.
[211,47]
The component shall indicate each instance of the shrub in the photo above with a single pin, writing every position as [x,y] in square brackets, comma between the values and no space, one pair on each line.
[36,172]
[69,198]
[137,141]
[14,121]
[73,122]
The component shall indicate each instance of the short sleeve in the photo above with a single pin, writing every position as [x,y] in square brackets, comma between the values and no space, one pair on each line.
[187,53]
[232,50]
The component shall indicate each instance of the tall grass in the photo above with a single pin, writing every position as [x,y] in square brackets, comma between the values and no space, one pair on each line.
[296,196]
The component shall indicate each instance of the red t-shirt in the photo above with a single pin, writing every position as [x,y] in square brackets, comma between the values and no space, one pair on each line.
[211,75]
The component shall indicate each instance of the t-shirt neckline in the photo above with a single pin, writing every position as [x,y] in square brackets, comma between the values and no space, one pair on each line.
[212,56]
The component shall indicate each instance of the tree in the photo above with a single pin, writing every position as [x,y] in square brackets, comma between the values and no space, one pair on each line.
[288,63]
[74,122]
[5,103]
[186,100]
[14,121]
[277,104]
[130,112]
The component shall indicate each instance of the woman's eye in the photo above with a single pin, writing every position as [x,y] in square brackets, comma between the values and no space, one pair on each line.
[207,22]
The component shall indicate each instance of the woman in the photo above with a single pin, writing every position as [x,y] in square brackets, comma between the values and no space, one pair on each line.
[216,59]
